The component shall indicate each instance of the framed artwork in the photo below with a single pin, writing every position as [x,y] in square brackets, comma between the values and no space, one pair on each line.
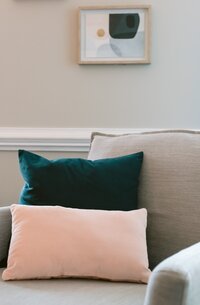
[114,35]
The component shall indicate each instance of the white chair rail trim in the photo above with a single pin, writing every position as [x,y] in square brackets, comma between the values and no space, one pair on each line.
[50,139]
[54,139]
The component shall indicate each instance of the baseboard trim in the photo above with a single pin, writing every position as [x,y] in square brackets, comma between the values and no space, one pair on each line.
[52,139]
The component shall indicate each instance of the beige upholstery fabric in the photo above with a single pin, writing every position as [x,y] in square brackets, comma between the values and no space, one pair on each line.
[169,185]
[70,292]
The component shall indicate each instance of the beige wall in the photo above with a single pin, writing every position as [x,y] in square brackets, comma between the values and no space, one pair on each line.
[41,84]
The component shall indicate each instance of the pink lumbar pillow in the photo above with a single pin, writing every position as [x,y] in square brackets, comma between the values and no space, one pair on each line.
[53,241]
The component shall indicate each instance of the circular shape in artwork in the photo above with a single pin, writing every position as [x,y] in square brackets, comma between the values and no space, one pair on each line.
[100,32]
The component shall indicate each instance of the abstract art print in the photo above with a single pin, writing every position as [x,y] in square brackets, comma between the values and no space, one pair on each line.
[114,35]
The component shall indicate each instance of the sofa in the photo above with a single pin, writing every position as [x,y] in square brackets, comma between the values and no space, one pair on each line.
[169,189]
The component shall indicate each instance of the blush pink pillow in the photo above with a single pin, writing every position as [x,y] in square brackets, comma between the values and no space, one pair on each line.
[53,241]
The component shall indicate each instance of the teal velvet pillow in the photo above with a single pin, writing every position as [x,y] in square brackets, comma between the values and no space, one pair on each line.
[106,184]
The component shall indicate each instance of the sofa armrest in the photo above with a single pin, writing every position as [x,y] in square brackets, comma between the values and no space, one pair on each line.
[5,233]
[176,280]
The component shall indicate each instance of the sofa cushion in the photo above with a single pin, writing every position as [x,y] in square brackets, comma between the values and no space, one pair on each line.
[5,233]
[109,184]
[53,241]
[169,185]
[70,292]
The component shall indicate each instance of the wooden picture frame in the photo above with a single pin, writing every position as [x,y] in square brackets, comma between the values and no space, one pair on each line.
[115,34]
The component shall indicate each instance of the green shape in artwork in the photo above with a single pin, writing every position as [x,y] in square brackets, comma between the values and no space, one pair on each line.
[123,26]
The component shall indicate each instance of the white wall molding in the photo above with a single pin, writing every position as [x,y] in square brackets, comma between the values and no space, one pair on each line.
[55,139]
[52,139]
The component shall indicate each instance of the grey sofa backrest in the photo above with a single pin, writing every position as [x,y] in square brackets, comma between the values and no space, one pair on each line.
[169,185]
[5,234]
